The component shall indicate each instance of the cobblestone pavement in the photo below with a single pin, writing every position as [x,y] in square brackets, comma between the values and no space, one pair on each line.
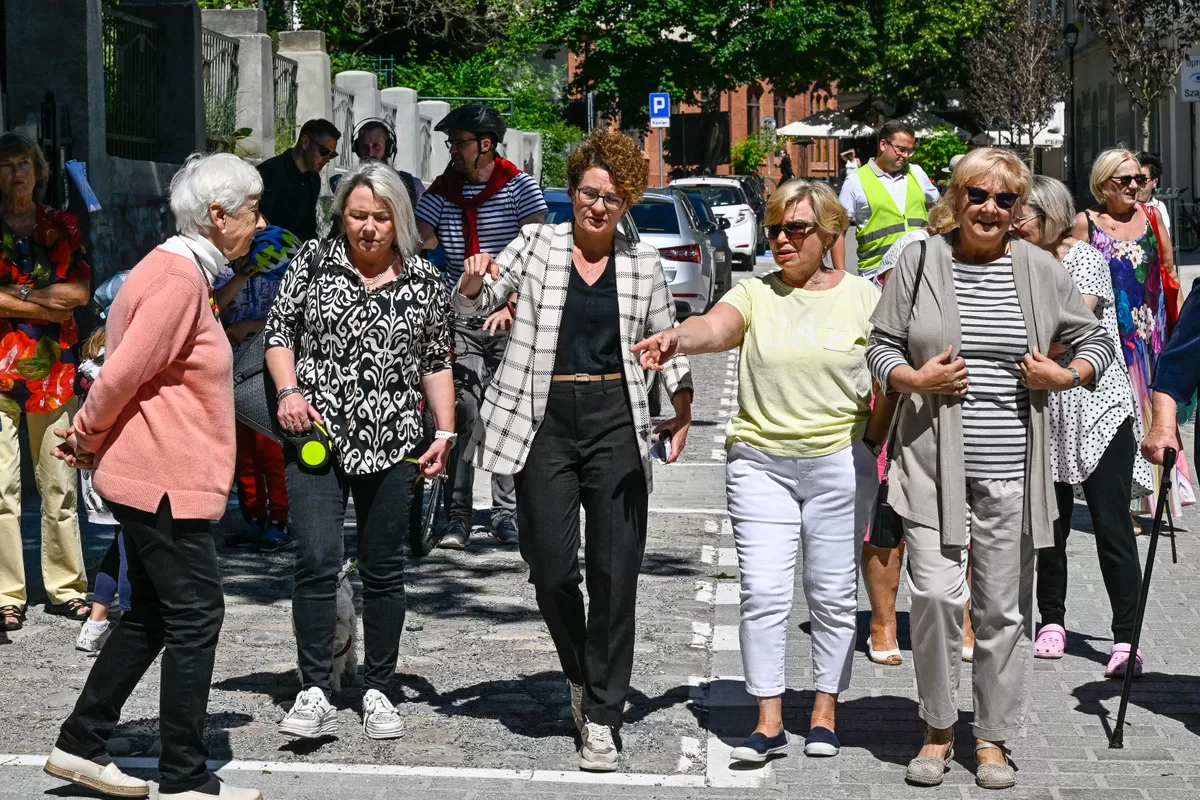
[485,706]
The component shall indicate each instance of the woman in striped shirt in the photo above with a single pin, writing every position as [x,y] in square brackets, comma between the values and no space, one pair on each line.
[972,455]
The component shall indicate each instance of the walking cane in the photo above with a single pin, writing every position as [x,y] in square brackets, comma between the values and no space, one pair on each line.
[1117,740]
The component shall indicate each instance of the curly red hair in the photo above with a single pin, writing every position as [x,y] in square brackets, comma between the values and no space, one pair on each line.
[619,154]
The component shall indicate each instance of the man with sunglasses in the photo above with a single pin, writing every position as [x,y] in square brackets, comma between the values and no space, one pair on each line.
[292,179]
[1151,172]
[886,199]
[478,205]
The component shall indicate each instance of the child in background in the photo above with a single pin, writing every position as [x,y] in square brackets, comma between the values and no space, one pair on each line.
[244,293]
[111,579]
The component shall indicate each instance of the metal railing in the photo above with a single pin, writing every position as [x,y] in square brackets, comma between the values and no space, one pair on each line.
[505,105]
[425,146]
[387,113]
[384,68]
[284,72]
[343,118]
[220,70]
[132,51]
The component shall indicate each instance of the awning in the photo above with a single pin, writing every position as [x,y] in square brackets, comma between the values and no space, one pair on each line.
[926,124]
[828,124]
[1047,139]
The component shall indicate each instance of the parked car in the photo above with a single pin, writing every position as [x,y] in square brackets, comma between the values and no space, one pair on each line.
[665,219]
[755,193]
[728,199]
[561,209]
[715,227]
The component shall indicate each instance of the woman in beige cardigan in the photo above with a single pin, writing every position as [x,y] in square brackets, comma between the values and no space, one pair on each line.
[972,454]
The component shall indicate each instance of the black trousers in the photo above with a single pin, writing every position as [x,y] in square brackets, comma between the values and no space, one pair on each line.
[1108,491]
[586,451]
[383,503]
[176,605]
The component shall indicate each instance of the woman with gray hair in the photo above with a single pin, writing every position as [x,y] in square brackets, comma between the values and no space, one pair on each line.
[357,338]
[158,431]
[1094,439]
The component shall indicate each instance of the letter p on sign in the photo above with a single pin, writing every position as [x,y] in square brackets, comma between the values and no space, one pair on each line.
[660,110]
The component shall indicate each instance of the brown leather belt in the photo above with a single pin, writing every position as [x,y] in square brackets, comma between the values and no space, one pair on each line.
[581,377]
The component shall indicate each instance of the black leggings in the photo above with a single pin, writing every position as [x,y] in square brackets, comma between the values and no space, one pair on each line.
[1108,492]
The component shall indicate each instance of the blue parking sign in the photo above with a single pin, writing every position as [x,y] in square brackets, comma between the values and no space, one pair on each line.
[660,110]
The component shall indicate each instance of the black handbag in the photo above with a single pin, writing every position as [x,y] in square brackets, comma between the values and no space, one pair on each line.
[254,402]
[887,528]
[423,534]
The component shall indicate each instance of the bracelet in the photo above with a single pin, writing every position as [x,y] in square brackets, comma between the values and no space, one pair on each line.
[285,391]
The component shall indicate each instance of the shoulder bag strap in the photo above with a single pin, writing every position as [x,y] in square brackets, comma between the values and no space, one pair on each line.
[891,440]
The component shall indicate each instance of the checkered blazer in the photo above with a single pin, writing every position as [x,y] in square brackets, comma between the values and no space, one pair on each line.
[537,266]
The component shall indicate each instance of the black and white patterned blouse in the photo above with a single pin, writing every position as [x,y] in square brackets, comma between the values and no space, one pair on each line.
[360,355]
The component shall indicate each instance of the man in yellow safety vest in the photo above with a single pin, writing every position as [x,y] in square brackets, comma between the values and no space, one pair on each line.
[885,199]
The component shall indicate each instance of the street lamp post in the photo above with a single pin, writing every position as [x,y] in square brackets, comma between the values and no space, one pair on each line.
[1071,34]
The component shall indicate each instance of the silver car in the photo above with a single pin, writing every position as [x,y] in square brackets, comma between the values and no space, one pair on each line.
[666,220]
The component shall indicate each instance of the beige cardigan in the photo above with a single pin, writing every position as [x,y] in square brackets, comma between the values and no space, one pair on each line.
[927,481]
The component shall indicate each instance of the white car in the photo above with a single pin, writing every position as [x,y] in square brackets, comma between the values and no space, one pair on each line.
[728,199]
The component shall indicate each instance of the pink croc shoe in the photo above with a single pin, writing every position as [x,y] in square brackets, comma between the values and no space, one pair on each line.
[1051,642]
[1118,659]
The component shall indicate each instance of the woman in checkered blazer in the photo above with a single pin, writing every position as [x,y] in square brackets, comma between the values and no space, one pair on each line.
[567,415]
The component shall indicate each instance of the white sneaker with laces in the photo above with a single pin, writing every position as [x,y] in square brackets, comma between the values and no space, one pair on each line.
[380,720]
[311,716]
[598,752]
[576,705]
[93,635]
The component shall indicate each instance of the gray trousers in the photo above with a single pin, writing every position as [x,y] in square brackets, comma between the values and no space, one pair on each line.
[1001,596]
[477,356]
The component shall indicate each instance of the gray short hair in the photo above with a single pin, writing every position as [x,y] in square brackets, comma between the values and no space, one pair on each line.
[386,184]
[1052,200]
[204,179]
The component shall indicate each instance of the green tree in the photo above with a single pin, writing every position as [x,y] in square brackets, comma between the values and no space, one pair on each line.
[934,153]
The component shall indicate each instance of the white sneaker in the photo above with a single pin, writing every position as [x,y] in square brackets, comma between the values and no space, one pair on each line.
[106,779]
[598,753]
[227,793]
[311,716]
[93,635]
[576,705]
[380,720]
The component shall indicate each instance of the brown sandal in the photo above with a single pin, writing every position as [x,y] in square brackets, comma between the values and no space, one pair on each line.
[15,613]
[74,608]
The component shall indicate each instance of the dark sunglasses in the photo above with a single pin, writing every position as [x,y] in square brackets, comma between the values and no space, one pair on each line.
[1004,200]
[325,151]
[793,230]
[1125,180]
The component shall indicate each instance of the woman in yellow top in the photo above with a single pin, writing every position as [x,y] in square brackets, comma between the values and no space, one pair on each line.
[801,464]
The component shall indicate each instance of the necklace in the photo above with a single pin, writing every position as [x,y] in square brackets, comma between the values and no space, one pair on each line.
[371,283]
[587,269]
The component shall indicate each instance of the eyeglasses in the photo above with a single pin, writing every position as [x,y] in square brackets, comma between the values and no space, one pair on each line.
[900,151]
[1125,180]
[1027,218]
[1004,200]
[589,196]
[459,143]
[797,229]
[325,151]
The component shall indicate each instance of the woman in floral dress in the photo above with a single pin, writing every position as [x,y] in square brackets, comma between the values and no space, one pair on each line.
[1135,242]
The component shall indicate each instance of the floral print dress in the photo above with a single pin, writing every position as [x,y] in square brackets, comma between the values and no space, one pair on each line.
[1142,325]
[37,359]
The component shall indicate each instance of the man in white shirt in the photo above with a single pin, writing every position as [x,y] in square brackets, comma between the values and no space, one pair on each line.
[1151,175]
[878,223]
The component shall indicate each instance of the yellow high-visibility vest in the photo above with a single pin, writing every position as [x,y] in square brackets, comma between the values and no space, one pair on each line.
[886,223]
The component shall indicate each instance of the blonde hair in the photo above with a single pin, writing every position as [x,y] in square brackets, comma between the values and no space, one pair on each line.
[828,214]
[385,183]
[92,345]
[983,162]
[1105,167]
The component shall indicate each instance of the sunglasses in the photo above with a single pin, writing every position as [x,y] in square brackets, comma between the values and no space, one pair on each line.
[1125,180]
[1004,200]
[793,230]
[325,151]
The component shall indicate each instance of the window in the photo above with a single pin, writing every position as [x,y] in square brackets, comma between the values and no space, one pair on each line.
[655,216]
[753,96]
[780,111]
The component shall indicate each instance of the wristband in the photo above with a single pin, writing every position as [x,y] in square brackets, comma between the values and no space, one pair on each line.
[285,391]
[448,436]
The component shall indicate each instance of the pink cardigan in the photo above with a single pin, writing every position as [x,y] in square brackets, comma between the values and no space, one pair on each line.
[160,416]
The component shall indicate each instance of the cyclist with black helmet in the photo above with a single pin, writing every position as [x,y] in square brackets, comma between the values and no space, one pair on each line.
[478,205]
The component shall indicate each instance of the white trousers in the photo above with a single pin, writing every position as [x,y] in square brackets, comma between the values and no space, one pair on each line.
[824,504]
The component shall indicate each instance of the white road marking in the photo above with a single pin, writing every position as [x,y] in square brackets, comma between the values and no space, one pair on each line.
[726,527]
[718,773]
[704,592]
[718,455]
[673,510]
[701,633]
[728,593]
[719,440]
[725,401]
[727,557]
[725,638]
[710,526]
[708,554]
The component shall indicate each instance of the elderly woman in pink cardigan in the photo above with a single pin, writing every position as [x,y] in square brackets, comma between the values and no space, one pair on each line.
[158,430]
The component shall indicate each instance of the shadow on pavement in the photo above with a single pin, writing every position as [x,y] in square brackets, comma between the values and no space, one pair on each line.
[1174,696]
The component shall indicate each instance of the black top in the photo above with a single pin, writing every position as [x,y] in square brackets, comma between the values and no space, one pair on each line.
[589,339]
[289,197]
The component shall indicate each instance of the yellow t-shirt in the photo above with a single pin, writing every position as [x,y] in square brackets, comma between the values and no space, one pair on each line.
[803,385]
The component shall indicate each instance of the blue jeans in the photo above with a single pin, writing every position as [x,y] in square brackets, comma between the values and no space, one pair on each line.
[112,579]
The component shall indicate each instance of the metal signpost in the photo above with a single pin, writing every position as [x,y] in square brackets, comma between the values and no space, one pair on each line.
[660,117]
[768,124]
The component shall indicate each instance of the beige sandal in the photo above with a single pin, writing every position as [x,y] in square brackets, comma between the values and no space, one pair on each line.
[930,770]
[995,776]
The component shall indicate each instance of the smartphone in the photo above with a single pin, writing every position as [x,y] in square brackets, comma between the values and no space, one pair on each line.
[661,449]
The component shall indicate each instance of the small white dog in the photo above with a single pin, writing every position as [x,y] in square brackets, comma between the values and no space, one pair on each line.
[345,632]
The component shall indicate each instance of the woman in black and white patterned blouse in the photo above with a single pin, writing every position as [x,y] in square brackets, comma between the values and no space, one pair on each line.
[357,336]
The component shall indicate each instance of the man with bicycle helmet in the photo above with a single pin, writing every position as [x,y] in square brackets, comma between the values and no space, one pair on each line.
[478,205]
